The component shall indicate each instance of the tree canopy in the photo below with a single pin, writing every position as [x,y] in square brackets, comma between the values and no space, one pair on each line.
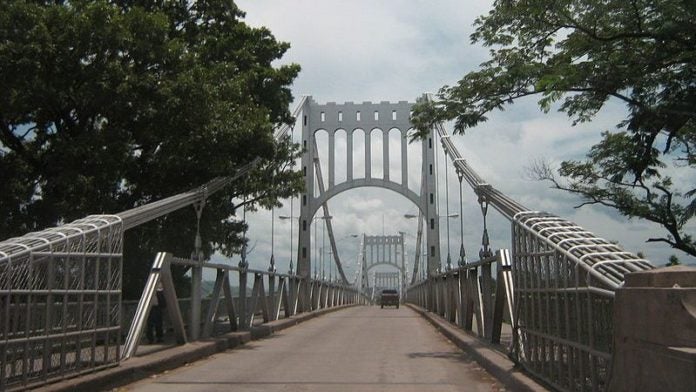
[107,105]
[577,55]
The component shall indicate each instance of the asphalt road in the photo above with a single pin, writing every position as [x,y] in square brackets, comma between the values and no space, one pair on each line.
[357,349]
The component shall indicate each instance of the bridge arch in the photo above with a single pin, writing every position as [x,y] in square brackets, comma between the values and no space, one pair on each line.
[401,270]
[367,182]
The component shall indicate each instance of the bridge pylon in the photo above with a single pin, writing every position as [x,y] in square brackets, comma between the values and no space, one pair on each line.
[367,117]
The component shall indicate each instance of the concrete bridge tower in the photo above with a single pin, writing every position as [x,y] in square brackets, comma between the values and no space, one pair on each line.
[366,116]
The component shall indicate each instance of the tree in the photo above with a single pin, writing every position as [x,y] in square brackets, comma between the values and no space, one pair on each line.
[108,105]
[578,54]
[673,260]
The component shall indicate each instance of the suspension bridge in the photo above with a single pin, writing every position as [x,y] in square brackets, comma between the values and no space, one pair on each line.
[573,311]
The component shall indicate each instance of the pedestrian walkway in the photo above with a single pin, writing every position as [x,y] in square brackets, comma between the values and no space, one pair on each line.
[358,349]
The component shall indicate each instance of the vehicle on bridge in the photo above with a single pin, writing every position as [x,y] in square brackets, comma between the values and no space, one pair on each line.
[389,297]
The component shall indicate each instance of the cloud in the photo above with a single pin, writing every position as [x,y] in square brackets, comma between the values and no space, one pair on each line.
[371,50]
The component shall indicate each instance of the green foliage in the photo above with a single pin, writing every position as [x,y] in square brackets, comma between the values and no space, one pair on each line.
[578,54]
[673,260]
[107,105]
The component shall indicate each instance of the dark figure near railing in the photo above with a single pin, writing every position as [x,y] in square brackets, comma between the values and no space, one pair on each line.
[154,321]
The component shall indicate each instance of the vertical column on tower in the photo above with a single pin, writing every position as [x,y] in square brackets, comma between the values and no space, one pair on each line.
[304,248]
[349,155]
[404,159]
[332,156]
[385,153]
[403,261]
[368,153]
[430,201]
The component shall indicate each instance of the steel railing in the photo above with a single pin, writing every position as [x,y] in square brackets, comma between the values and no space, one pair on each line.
[60,296]
[471,296]
[559,289]
[272,296]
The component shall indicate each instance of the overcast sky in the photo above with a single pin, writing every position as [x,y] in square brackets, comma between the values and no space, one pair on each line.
[397,50]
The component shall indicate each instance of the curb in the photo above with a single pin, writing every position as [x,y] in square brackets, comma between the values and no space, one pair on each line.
[493,361]
[138,368]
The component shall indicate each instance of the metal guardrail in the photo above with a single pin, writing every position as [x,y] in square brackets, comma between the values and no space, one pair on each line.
[560,323]
[60,298]
[273,296]
[559,286]
[469,296]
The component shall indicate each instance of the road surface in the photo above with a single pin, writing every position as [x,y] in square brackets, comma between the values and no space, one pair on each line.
[357,349]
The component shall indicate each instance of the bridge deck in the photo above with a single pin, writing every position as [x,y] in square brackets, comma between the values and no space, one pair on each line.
[360,348]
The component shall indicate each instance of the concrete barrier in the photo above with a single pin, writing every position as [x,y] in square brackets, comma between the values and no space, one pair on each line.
[655,331]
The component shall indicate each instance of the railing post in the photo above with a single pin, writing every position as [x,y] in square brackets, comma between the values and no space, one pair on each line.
[229,303]
[475,298]
[319,290]
[320,296]
[429,290]
[243,324]
[160,272]
[209,325]
[487,296]
[452,294]
[258,296]
[271,295]
[304,295]
[327,295]
[463,299]
[445,297]
[143,310]
[330,295]
[173,309]
[441,296]
[504,292]
[195,316]
[312,293]
[292,295]
[296,295]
